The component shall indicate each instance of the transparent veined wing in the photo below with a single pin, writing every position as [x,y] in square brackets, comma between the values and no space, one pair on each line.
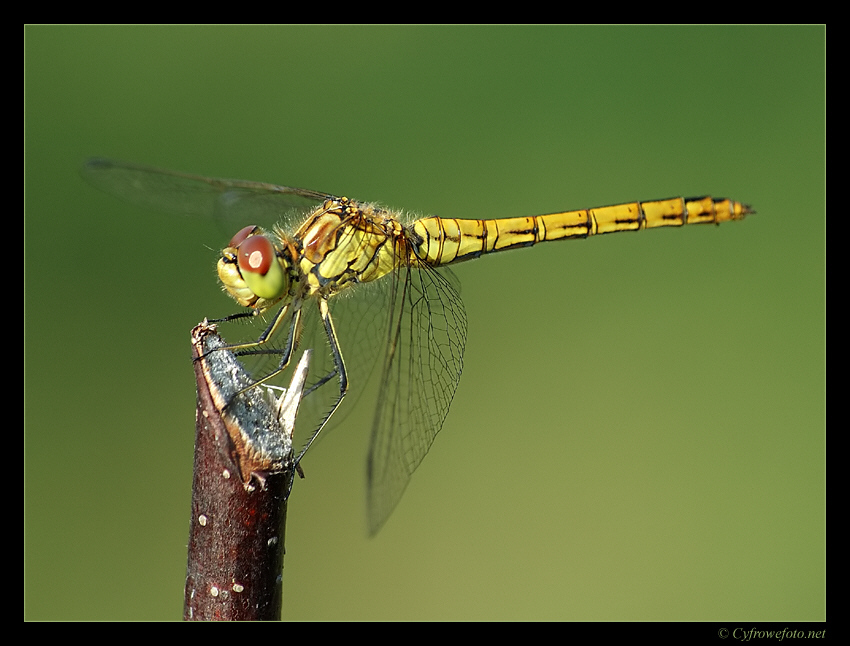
[421,369]
[238,201]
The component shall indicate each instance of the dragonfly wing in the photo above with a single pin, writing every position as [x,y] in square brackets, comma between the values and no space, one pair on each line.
[421,371]
[187,194]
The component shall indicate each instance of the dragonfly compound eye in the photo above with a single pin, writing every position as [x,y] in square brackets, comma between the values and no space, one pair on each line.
[259,266]
[256,255]
[242,234]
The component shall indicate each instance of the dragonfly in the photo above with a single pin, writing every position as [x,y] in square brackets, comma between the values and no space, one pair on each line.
[369,285]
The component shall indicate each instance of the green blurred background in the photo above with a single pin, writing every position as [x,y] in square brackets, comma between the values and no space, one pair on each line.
[639,432]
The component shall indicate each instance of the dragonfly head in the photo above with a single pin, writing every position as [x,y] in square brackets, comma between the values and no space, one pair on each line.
[251,270]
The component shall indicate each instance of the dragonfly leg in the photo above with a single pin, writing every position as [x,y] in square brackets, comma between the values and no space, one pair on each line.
[295,306]
[321,382]
[233,317]
[254,348]
[339,371]
[264,337]
[227,319]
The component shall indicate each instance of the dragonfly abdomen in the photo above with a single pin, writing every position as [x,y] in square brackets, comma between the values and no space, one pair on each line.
[441,241]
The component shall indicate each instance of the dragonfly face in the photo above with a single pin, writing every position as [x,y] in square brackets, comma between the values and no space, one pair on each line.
[251,270]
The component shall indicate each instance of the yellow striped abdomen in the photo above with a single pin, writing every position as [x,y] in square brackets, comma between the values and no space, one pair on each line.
[440,241]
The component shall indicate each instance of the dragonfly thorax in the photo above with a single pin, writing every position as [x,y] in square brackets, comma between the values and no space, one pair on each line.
[345,242]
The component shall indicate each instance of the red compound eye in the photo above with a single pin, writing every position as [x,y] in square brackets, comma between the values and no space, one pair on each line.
[240,237]
[256,254]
